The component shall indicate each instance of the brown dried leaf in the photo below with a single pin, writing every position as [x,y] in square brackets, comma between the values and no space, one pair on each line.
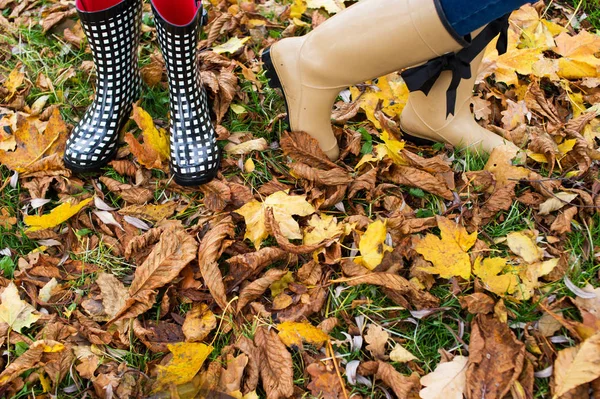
[152,212]
[377,339]
[199,322]
[129,193]
[562,223]
[276,368]
[256,288]
[305,149]
[324,381]
[332,177]
[496,358]
[478,303]
[114,293]
[217,195]
[420,299]
[33,357]
[417,178]
[404,387]
[273,228]
[231,375]
[209,252]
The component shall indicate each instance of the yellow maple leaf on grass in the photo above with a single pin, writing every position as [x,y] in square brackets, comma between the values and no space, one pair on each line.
[489,269]
[187,360]
[448,254]
[15,312]
[372,245]
[58,215]
[284,206]
[293,334]
[154,151]
[231,46]
[578,55]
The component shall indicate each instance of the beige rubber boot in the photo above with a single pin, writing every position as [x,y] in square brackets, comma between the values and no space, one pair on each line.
[367,40]
[425,116]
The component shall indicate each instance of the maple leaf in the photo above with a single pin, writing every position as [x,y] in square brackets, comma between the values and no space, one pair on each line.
[371,245]
[390,90]
[284,206]
[15,312]
[391,148]
[33,144]
[322,228]
[293,334]
[154,152]
[447,381]
[15,79]
[185,364]
[578,60]
[489,269]
[377,339]
[57,216]
[448,254]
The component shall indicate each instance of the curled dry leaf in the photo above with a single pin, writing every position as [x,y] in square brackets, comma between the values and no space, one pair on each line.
[377,338]
[276,368]
[305,149]
[418,298]
[217,195]
[231,375]
[332,177]
[404,387]
[274,229]
[33,357]
[129,193]
[199,322]
[256,288]
[413,177]
[209,252]
[247,147]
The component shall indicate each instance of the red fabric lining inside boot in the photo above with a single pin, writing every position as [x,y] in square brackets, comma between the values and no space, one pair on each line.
[96,5]
[176,12]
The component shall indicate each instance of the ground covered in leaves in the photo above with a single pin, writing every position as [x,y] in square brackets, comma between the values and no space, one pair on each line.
[399,271]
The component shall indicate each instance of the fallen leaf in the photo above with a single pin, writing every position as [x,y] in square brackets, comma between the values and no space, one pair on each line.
[199,322]
[154,151]
[57,216]
[447,381]
[231,375]
[284,206]
[276,367]
[524,245]
[15,312]
[14,81]
[489,269]
[293,334]
[33,357]
[321,228]
[404,387]
[246,147]
[372,245]
[556,202]
[577,365]
[256,288]
[377,339]
[114,293]
[152,212]
[187,360]
[231,46]
[448,254]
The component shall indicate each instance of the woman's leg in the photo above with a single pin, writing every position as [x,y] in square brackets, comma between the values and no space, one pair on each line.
[465,16]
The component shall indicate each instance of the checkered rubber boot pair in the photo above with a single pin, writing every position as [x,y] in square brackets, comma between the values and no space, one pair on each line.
[195,156]
[113,35]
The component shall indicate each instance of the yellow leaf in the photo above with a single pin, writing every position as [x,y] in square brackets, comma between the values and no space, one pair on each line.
[231,46]
[447,381]
[57,216]
[15,312]
[524,245]
[448,254]
[393,148]
[280,285]
[401,355]
[298,8]
[284,206]
[198,323]
[577,366]
[367,158]
[322,228]
[390,90]
[489,271]
[15,79]
[249,166]
[155,149]
[371,246]
[185,364]
[293,334]
[238,109]
[578,52]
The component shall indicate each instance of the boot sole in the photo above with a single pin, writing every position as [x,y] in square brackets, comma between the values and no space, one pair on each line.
[192,182]
[274,82]
[92,168]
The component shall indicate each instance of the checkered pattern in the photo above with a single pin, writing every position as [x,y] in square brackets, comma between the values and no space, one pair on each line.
[113,36]
[195,156]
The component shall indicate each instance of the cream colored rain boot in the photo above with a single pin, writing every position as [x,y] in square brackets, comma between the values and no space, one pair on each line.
[425,115]
[365,41]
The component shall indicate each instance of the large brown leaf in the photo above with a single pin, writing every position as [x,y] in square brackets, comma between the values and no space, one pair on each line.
[33,357]
[418,178]
[172,253]
[332,177]
[276,368]
[420,299]
[496,359]
[256,288]
[208,255]
[404,387]
[305,149]
[274,229]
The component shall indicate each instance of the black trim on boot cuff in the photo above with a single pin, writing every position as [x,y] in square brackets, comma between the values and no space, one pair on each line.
[108,13]
[464,41]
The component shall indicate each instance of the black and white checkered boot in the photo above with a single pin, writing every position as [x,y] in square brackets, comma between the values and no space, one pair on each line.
[195,156]
[113,36]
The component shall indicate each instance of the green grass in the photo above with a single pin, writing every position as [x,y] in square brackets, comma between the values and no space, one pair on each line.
[590,7]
